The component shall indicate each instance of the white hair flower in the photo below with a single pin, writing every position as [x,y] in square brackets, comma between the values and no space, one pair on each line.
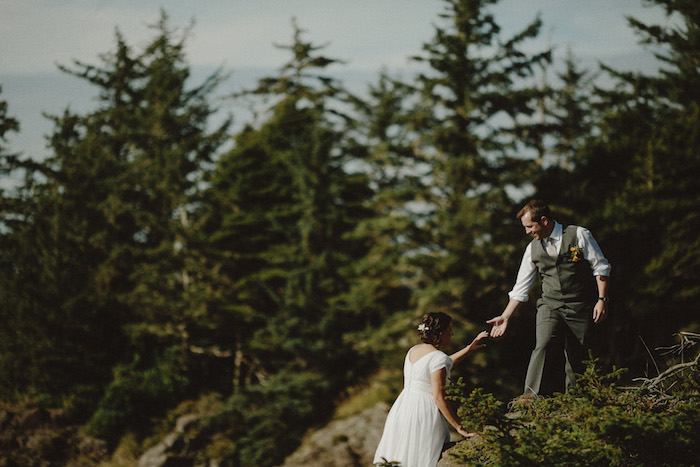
[422,327]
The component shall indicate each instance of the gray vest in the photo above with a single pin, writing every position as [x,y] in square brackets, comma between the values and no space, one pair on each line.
[565,281]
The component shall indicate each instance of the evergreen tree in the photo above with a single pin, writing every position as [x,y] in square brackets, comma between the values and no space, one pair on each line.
[634,185]
[564,121]
[7,124]
[383,281]
[478,85]
[670,161]
[157,130]
[570,113]
[58,342]
[280,206]
[102,252]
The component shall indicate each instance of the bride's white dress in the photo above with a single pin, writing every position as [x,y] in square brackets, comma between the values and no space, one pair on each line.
[415,430]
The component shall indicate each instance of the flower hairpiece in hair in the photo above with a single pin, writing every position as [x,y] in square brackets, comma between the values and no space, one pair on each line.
[422,327]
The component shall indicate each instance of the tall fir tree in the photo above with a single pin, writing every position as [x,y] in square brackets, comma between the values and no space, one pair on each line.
[280,207]
[570,113]
[563,122]
[103,252]
[634,185]
[480,87]
[157,126]
[383,281]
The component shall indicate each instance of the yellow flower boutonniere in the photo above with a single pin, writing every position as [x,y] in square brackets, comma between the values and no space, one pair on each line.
[575,254]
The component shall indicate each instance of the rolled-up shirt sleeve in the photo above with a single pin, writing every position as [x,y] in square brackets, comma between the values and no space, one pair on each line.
[527,274]
[592,252]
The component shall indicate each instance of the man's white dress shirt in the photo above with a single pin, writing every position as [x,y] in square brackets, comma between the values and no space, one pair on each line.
[527,274]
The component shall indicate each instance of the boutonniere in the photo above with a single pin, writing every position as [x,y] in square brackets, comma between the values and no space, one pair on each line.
[575,254]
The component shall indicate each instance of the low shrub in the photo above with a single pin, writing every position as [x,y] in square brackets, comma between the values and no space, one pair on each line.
[596,423]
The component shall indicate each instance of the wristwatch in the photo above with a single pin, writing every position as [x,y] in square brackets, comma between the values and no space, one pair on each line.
[604,299]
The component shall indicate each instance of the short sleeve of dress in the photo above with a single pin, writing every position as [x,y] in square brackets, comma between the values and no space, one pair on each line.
[439,361]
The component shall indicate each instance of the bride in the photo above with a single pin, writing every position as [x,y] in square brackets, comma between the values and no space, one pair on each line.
[416,427]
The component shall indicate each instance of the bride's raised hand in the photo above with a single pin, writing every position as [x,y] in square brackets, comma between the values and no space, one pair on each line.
[476,343]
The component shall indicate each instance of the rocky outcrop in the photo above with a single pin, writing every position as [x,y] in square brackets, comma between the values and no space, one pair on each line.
[174,449]
[46,438]
[349,442]
[444,459]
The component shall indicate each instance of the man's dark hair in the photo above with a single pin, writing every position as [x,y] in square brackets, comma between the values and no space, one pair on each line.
[537,209]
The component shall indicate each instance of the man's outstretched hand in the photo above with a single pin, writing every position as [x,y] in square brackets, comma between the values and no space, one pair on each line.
[499,326]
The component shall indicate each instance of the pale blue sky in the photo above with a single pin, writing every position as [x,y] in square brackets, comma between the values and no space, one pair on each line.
[238,35]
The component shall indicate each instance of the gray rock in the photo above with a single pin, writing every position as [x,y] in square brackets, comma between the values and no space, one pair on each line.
[173,449]
[350,442]
[158,455]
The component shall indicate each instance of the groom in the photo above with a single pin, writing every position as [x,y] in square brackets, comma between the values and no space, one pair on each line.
[565,258]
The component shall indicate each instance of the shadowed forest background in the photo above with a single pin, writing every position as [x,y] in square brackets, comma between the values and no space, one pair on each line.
[158,260]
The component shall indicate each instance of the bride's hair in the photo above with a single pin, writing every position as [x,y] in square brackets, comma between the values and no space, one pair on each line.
[431,327]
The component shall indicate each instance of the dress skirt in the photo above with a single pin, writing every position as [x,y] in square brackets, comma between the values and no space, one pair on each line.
[415,431]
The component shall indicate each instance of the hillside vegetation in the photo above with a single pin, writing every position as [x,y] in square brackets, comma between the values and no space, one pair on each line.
[599,423]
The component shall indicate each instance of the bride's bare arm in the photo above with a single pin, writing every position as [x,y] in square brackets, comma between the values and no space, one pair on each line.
[475,345]
[437,383]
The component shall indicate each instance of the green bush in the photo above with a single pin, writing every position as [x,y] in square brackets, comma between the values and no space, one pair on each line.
[136,397]
[264,423]
[597,423]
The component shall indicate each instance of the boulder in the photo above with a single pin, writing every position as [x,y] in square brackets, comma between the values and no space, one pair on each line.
[173,450]
[349,442]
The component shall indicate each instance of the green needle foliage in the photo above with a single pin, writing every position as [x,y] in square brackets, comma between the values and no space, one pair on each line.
[634,184]
[478,85]
[597,423]
[276,229]
[98,232]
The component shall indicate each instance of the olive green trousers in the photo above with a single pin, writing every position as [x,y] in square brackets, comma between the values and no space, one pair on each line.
[561,337]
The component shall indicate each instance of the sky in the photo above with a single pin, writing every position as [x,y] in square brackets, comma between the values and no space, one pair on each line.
[240,36]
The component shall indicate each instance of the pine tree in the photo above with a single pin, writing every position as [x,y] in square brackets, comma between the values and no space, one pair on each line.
[477,84]
[7,124]
[660,187]
[564,121]
[58,343]
[157,129]
[103,250]
[382,282]
[280,207]
[570,112]
[636,180]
